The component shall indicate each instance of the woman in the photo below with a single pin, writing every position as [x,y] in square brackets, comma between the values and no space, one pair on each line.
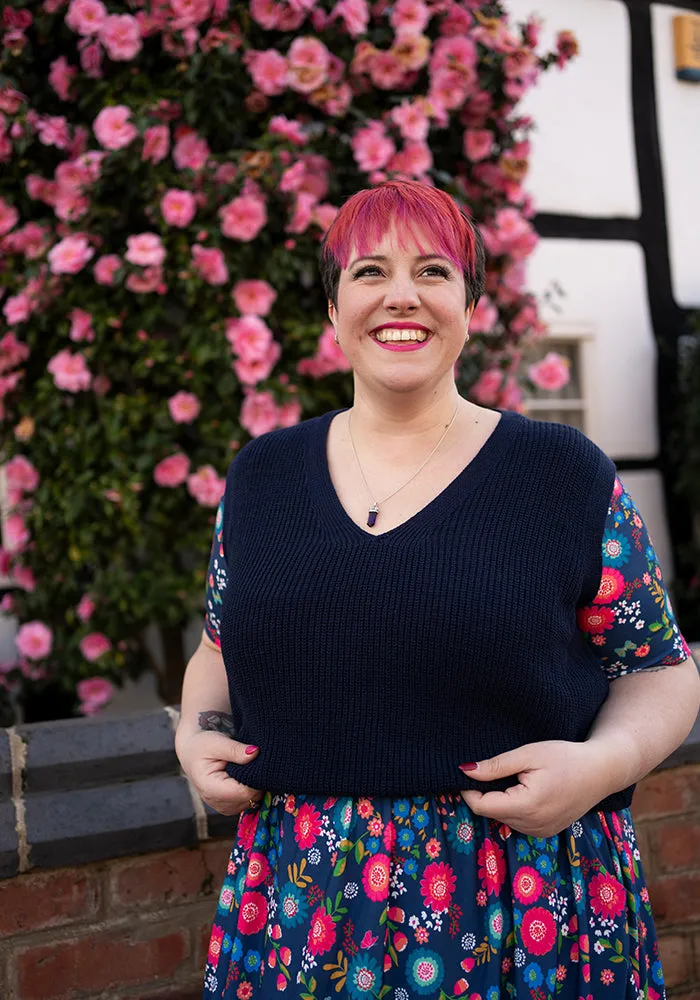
[440,636]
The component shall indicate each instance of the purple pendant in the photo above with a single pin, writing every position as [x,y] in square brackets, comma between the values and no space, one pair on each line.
[372,515]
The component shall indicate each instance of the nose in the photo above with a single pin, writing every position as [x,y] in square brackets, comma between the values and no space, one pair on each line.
[401,295]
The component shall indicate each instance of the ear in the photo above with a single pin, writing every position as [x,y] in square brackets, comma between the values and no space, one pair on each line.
[332,313]
[469,311]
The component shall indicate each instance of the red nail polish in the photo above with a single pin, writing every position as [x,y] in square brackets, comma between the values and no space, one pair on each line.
[468,767]
[251,749]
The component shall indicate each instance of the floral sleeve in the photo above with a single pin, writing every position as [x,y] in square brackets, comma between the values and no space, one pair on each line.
[217,576]
[630,624]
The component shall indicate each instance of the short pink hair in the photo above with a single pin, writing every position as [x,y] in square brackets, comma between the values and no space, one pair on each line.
[414,208]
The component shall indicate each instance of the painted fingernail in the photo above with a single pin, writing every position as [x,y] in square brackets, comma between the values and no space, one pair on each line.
[468,767]
[250,749]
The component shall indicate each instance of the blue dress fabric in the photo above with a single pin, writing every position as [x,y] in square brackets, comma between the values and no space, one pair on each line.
[380,897]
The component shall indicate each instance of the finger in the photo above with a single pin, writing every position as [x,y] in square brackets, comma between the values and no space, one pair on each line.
[502,806]
[503,765]
[220,747]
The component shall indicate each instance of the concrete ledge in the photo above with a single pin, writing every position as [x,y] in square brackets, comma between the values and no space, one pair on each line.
[94,789]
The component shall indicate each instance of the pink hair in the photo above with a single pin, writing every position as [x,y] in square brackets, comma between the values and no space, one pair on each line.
[414,208]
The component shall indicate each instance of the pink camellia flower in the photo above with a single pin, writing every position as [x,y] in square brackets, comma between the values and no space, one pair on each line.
[253,297]
[20,474]
[308,64]
[17,309]
[206,486]
[323,215]
[53,131]
[86,17]
[34,640]
[412,121]
[113,128]
[288,128]
[249,336]
[266,13]
[259,413]
[172,471]
[293,177]
[91,59]
[150,280]
[484,317]
[190,152]
[450,87]
[12,352]
[415,159]
[9,217]
[250,372]
[243,217]
[70,371]
[409,17]
[512,395]
[24,578]
[289,413]
[70,255]
[156,143]
[184,407]
[478,143]
[81,326]
[16,533]
[371,147]
[303,213]
[355,14]
[178,207]
[268,70]
[106,268]
[210,264]
[85,608]
[328,358]
[61,75]
[121,36]
[94,693]
[487,387]
[145,249]
[551,373]
[457,52]
[385,70]
[94,645]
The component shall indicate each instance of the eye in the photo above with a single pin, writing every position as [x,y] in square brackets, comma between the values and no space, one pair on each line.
[369,270]
[443,272]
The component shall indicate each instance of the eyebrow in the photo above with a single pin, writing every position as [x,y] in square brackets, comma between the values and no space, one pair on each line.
[423,256]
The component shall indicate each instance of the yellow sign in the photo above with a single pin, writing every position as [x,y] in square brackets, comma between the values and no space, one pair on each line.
[686,37]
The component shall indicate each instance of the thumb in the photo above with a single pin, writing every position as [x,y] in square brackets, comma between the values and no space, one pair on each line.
[503,765]
[237,752]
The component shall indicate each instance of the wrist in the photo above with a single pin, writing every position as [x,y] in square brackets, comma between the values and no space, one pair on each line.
[613,761]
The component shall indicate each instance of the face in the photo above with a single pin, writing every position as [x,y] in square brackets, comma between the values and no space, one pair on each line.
[401,318]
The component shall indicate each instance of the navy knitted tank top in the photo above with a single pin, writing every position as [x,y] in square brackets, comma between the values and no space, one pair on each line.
[376,664]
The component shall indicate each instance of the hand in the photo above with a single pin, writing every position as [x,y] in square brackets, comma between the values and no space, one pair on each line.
[557,783]
[204,756]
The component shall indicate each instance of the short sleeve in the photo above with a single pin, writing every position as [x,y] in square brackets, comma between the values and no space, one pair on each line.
[630,624]
[217,578]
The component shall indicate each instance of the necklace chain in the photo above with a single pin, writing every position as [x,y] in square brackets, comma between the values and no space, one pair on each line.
[374,509]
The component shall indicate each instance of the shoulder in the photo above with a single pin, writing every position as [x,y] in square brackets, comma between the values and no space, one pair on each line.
[267,459]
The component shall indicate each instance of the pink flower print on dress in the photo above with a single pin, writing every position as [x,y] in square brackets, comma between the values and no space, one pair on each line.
[258,869]
[113,128]
[527,884]
[252,914]
[321,933]
[70,255]
[437,886]
[172,471]
[607,895]
[307,826]
[538,930]
[492,868]
[178,207]
[217,936]
[612,584]
[34,640]
[375,877]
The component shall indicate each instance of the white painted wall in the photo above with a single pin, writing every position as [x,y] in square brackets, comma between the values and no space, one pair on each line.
[678,106]
[583,160]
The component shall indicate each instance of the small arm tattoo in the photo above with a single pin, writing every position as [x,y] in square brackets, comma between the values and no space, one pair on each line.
[218,722]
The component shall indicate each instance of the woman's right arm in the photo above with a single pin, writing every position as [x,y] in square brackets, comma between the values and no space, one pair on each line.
[203,740]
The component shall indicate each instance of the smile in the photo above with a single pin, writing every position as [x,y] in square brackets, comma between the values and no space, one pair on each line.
[394,339]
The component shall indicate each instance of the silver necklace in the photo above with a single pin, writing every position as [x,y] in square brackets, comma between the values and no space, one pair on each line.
[373,512]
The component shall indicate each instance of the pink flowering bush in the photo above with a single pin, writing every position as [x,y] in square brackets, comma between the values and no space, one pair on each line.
[167,172]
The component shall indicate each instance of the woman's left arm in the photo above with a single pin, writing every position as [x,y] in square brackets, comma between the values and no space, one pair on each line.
[646,715]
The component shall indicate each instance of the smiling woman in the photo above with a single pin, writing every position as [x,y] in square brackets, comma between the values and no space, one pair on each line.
[440,709]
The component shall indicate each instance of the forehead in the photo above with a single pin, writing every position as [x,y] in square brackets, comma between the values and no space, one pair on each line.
[397,241]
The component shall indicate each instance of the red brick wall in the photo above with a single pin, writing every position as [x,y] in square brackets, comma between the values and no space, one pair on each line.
[138,927]
[666,810]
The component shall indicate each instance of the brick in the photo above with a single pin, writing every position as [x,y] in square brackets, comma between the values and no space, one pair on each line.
[676,960]
[216,854]
[67,969]
[35,901]
[668,793]
[676,899]
[676,845]
[156,881]
[191,989]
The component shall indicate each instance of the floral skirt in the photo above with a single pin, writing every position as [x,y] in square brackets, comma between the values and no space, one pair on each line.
[418,897]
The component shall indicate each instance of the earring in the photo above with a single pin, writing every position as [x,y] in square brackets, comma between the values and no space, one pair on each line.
[335,337]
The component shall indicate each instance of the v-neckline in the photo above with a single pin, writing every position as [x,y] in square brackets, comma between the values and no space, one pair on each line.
[325,497]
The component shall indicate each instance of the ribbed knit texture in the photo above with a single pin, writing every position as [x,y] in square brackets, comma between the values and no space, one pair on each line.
[376,664]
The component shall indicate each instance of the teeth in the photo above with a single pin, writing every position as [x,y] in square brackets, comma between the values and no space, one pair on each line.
[392,335]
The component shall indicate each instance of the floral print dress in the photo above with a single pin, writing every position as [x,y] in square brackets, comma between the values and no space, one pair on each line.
[418,897]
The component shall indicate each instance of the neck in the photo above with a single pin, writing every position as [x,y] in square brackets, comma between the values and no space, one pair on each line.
[401,415]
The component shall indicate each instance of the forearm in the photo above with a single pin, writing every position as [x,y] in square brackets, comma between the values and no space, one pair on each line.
[204,690]
[645,717]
